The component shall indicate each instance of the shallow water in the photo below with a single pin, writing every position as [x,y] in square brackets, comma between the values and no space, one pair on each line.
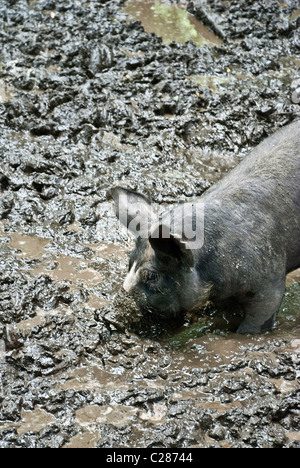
[295,15]
[170,22]
[5,92]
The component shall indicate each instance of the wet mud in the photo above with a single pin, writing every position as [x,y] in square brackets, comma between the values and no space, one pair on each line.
[90,96]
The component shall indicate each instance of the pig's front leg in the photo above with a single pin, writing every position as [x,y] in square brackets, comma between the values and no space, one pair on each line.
[261,310]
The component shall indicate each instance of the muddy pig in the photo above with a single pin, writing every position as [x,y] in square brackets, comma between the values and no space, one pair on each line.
[248,239]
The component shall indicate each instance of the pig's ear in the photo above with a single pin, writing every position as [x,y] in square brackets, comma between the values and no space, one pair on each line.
[166,245]
[134,211]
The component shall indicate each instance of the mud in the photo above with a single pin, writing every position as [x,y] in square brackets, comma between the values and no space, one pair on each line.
[89,98]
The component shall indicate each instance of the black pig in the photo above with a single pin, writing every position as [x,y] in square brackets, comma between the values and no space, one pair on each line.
[251,239]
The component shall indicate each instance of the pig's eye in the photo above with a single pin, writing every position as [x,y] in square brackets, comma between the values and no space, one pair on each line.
[150,276]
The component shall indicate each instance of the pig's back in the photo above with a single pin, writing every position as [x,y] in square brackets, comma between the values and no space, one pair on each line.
[277,157]
[261,196]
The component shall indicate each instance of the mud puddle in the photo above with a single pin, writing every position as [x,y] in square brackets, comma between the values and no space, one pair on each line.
[5,92]
[72,269]
[62,267]
[295,15]
[170,22]
[28,246]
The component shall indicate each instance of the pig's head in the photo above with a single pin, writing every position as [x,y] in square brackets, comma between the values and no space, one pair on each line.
[162,276]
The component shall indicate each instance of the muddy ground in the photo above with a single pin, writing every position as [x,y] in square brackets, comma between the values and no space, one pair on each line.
[88,97]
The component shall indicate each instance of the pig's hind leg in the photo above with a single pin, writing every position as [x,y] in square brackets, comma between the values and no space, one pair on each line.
[261,308]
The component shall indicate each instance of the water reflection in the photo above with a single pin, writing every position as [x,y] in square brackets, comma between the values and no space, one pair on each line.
[170,22]
[5,92]
[295,15]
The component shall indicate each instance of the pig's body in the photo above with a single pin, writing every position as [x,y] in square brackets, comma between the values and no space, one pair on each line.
[251,241]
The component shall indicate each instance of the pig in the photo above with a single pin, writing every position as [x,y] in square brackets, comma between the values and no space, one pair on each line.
[251,240]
